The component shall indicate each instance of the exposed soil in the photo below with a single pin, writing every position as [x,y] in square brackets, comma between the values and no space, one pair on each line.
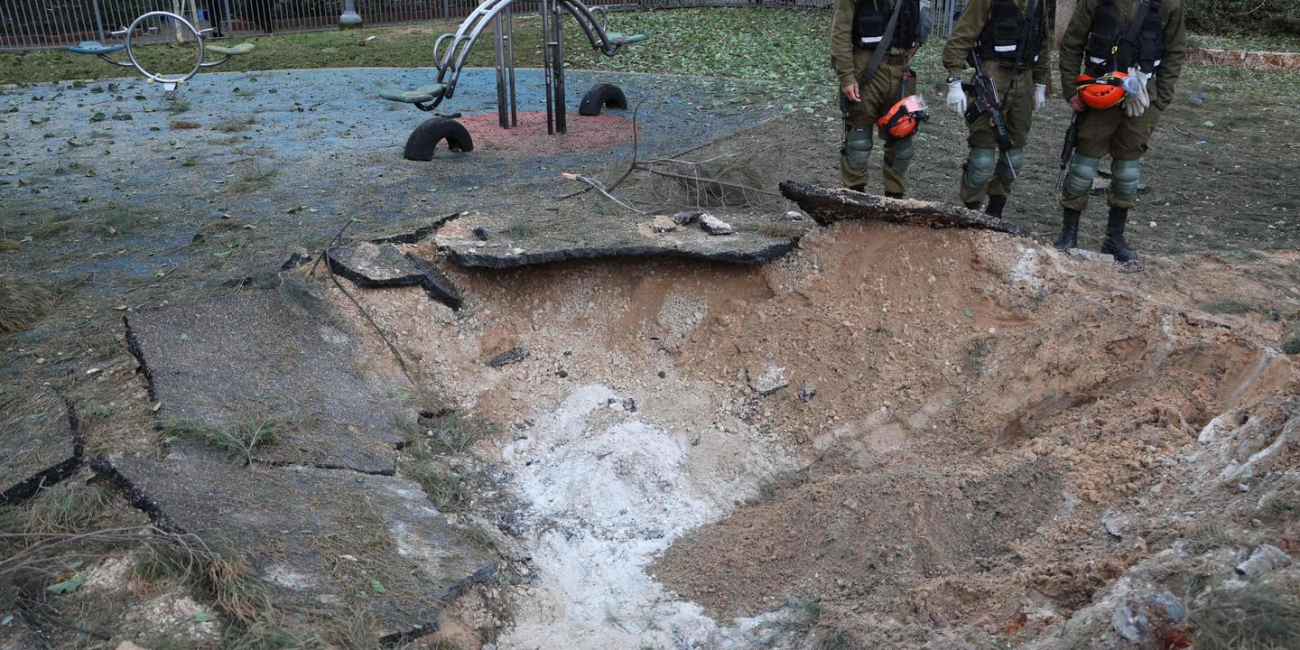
[961,410]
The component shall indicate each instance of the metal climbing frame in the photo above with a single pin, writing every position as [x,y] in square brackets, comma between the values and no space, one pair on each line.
[168,82]
[451,51]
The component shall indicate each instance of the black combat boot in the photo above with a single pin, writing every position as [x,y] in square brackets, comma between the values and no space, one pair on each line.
[894,195]
[996,203]
[1115,244]
[973,205]
[858,188]
[1069,230]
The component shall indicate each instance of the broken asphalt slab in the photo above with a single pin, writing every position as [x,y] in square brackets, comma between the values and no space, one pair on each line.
[378,266]
[254,356]
[40,445]
[317,538]
[559,238]
[828,205]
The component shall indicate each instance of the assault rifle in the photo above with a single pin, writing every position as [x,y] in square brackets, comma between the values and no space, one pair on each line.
[1067,151]
[985,91]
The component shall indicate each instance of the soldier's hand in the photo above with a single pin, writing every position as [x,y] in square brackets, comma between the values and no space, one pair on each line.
[1077,104]
[852,93]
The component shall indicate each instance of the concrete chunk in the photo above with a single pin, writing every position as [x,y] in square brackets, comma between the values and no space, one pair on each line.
[40,444]
[259,354]
[316,537]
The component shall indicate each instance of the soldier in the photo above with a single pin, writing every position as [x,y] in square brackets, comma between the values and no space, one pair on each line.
[1131,54]
[1010,38]
[872,42]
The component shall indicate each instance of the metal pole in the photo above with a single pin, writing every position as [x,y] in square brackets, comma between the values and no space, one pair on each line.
[546,65]
[350,17]
[510,57]
[557,26]
[499,52]
[230,19]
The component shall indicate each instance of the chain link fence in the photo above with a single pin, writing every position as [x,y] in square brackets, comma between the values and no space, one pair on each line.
[47,24]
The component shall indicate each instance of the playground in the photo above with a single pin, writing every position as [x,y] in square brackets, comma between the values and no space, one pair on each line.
[578,346]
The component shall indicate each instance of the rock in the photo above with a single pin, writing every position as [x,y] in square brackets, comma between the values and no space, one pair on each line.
[828,205]
[373,266]
[127,645]
[225,362]
[42,444]
[297,526]
[1115,524]
[806,392]
[662,224]
[714,225]
[1091,256]
[772,380]
[688,217]
[1266,558]
[513,355]
[1199,98]
[482,234]
[629,405]
[794,215]
[1134,618]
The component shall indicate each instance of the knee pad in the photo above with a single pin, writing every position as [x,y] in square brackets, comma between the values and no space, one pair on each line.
[1078,182]
[857,147]
[903,151]
[981,164]
[1015,158]
[1124,175]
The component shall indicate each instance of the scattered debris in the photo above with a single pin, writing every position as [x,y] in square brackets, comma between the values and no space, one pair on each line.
[772,380]
[687,218]
[662,224]
[806,392]
[714,225]
[828,205]
[1264,559]
[482,234]
[513,355]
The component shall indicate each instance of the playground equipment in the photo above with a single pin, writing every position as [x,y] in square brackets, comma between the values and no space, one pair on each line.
[169,82]
[450,61]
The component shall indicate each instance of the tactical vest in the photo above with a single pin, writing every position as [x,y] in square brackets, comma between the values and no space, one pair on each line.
[870,18]
[1109,48]
[1008,33]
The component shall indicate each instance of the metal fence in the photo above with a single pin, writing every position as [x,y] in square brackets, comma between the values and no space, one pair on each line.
[46,24]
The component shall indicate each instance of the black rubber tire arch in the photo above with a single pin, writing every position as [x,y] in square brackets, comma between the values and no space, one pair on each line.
[426,137]
[602,96]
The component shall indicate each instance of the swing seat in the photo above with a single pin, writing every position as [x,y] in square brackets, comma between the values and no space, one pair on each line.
[617,38]
[421,95]
[233,50]
[95,47]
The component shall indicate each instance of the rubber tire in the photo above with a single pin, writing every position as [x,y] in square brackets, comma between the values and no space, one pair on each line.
[425,138]
[602,96]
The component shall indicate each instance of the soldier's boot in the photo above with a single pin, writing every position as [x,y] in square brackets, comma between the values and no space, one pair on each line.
[894,195]
[1069,230]
[1115,244]
[972,205]
[858,188]
[996,203]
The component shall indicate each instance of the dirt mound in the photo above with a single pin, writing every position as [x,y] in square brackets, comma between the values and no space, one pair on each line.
[929,434]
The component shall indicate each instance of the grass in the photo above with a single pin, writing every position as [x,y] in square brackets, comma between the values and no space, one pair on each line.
[69,507]
[252,179]
[234,125]
[1257,617]
[452,433]
[217,573]
[23,302]
[1228,306]
[242,439]
[445,489]
[43,225]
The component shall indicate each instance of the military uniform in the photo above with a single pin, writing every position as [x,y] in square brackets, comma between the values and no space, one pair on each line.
[856,29]
[1097,42]
[1015,54]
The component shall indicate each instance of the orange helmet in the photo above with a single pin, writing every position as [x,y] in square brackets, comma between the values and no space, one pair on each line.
[1102,92]
[903,118]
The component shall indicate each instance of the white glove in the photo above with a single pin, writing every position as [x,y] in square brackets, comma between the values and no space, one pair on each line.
[1040,97]
[1136,96]
[956,98]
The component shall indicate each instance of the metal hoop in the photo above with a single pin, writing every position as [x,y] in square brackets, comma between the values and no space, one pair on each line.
[175,79]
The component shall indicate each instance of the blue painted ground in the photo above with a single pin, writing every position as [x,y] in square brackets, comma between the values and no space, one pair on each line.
[321,148]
